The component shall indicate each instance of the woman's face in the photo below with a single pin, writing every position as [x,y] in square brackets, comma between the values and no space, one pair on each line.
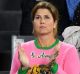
[43,22]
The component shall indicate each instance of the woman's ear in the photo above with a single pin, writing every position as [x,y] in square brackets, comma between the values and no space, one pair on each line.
[33,27]
[55,24]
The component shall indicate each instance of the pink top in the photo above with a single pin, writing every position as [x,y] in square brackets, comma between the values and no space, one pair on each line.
[68,60]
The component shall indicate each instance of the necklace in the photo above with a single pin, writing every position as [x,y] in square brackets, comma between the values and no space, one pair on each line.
[45,48]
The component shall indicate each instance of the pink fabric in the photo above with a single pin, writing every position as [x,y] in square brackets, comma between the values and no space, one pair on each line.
[68,60]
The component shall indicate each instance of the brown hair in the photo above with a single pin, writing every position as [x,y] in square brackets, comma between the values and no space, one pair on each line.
[46,5]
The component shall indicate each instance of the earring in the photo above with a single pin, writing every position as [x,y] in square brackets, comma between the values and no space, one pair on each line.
[33,31]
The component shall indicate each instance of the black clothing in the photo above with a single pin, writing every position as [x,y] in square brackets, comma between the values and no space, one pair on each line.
[76,17]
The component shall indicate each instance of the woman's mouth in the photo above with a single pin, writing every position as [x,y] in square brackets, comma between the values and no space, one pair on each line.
[42,27]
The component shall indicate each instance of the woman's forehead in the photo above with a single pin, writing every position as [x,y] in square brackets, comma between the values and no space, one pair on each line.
[42,11]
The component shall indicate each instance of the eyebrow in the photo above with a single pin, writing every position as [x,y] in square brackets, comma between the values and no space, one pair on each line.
[40,15]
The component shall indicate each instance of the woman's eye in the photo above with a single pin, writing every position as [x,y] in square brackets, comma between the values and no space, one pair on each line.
[47,17]
[37,17]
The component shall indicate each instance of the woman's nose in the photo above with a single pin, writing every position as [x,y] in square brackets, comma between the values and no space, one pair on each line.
[42,21]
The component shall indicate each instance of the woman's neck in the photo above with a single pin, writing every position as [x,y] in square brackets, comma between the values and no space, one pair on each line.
[46,40]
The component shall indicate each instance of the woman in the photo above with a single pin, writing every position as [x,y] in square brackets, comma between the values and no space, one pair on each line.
[46,54]
[27,5]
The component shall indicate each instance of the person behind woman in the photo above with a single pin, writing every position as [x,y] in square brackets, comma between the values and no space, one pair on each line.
[46,54]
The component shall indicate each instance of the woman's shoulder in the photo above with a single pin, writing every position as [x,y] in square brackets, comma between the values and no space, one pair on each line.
[31,42]
[66,46]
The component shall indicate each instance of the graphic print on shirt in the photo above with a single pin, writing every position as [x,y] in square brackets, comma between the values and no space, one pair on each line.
[41,55]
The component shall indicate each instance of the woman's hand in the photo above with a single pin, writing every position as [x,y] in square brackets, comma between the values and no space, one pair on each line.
[22,57]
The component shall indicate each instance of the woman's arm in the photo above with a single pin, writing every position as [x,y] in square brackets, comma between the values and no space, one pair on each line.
[71,63]
[20,60]
[15,63]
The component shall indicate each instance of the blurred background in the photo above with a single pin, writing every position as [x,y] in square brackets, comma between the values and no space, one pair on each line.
[10,19]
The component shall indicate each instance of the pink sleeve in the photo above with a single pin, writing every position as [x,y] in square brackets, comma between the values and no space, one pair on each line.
[71,63]
[15,64]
